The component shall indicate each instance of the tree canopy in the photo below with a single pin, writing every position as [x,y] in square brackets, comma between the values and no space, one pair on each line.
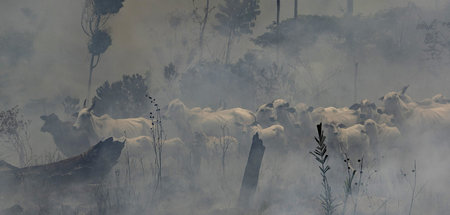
[122,99]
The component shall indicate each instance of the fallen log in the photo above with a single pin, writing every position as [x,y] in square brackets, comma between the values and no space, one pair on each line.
[89,167]
[14,210]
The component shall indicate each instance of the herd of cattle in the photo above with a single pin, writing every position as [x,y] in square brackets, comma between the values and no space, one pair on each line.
[362,128]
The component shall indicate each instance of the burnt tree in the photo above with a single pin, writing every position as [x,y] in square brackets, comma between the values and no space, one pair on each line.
[251,174]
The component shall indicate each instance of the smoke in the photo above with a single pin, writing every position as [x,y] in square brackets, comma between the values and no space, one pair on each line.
[44,58]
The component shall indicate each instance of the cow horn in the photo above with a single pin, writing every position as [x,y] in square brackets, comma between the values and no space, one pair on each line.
[92,106]
[404,89]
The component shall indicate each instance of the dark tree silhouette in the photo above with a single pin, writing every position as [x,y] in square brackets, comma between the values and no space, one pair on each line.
[122,99]
[170,73]
[295,8]
[202,20]
[14,131]
[71,105]
[236,17]
[93,20]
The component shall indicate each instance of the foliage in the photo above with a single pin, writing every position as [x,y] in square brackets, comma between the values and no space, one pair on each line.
[320,154]
[122,99]
[105,7]
[348,182]
[100,41]
[237,16]
[437,34]
[254,76]
[159,137]
[170,73]
[71,105]
[293,35]
[14,131]
[354,35]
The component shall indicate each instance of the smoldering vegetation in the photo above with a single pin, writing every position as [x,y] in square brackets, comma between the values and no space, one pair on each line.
[351,107]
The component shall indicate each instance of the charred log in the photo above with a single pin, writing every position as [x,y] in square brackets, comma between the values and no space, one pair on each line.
[89,167]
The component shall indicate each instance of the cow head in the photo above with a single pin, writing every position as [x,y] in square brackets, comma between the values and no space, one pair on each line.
[371,128]
[285,114]
[332,131]
[333,128]
[394,104]
[50,122]
[84,118]
[175,109]
[266,115]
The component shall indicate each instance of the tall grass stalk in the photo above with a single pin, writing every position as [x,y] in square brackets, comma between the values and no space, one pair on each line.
[320,154]
[348,182]
[361,166]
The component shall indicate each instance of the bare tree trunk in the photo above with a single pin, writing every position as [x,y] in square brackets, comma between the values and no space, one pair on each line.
[349,7]
[202,31]
[227,55]
[278,29]
[355,90]
[92,64]
[295,8]
[278,11]
[91,69]
[251,174]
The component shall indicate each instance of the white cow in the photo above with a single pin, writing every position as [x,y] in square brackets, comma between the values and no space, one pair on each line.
[139,150]
[273,136]
[352,140]
[436,99]
[105,126]
[276,112]
[303,114]
[381,136]
[329,115]
[236,120]
[143,146]
[368,110]
[266,115]
[216,146]
[410,116]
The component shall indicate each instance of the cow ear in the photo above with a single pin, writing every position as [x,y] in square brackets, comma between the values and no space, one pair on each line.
[291,110]
[355,106]
[75,114]
[270,105]
[373,106]
[44,117]
[84,103]
[310,109]
[381,98]
[379,111]
[341,125]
